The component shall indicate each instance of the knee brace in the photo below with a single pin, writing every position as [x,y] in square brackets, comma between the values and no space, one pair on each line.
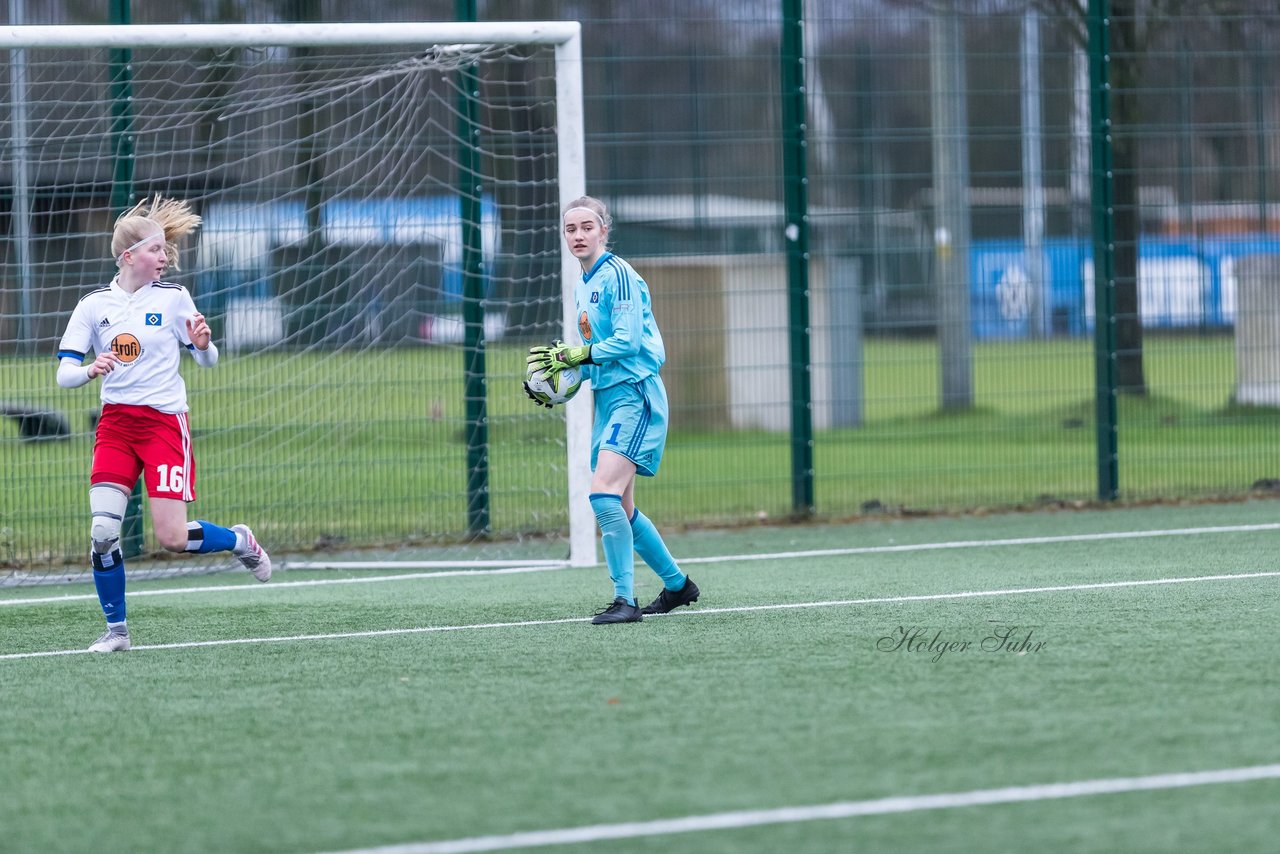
[107,504]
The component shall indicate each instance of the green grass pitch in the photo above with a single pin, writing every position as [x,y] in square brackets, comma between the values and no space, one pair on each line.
[353,713]
[303,448]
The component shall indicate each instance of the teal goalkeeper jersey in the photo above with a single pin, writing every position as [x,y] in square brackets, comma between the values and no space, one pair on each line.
[615,316]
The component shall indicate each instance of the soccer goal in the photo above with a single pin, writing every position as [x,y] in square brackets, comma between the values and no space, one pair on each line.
[380,246]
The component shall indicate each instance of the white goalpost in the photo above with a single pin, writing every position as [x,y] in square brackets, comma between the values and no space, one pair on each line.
[380,246]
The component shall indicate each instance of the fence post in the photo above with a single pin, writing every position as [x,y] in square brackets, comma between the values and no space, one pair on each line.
[952,229]
[796,185]
[122,195]
[473,348]
[1104,251]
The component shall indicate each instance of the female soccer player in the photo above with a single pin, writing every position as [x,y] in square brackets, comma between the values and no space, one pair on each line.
[138,326]
[621,354]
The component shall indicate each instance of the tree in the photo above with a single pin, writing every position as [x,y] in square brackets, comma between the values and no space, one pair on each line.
[1137,25]
[1133,23]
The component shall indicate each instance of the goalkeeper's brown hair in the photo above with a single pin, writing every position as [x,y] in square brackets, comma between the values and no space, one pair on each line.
[172,217]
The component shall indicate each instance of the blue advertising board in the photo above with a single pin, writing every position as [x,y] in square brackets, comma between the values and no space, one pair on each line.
[236,239]
[1182,284]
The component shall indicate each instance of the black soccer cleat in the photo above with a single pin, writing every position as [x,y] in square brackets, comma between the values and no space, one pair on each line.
[670,599]
[618,611]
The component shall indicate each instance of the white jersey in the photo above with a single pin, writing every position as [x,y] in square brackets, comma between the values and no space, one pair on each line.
[147,331]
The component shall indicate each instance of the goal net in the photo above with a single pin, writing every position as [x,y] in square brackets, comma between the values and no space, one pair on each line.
[380,246]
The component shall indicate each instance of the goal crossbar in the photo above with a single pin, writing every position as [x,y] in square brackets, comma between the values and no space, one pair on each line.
[289,35]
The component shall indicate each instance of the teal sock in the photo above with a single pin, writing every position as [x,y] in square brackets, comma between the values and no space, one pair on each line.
[619,546]
[654,551]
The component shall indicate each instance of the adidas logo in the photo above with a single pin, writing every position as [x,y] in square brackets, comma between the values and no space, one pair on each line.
[104,323]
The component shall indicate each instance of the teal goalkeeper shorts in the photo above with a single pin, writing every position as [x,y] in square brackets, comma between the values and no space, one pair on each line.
[631,419]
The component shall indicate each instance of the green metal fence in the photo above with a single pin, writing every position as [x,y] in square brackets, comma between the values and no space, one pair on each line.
[906,257]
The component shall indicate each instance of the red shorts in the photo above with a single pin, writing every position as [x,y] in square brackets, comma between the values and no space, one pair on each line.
[135,440]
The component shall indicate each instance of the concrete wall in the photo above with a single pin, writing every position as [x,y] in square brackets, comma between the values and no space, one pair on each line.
[724,322]
[1258,330]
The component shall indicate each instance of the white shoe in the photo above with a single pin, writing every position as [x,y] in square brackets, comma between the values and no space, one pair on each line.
[254,557]
[111,642]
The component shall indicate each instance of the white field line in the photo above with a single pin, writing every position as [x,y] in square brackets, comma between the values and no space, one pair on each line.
[853,550]
[421,564]
[177,570]
[315,582]
[826,812]
[548,566]
[741,609]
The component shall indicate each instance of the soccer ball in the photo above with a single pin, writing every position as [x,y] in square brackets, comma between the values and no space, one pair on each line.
[555,389]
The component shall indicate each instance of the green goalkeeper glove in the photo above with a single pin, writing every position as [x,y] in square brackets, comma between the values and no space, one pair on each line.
[558,356]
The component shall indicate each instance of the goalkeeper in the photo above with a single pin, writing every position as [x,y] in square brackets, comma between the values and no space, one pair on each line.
[621,354]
